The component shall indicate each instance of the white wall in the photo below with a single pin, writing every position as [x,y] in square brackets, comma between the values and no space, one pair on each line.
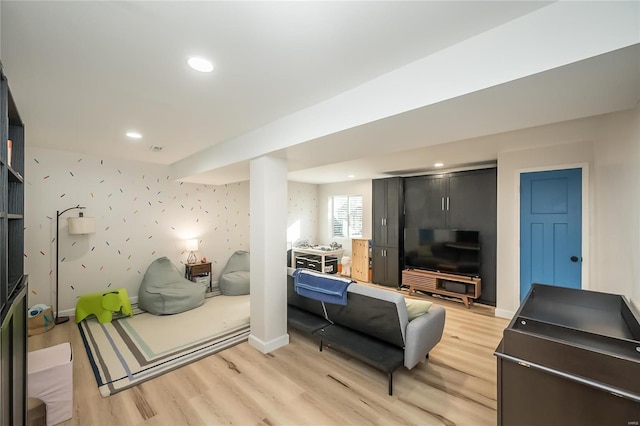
[510,165]
[609,146]
[359,187]
[141,214]
[617,230]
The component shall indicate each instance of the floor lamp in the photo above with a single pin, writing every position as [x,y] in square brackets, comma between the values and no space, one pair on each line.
[77,225]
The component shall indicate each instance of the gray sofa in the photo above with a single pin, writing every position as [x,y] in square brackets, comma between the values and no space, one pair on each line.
[373,326]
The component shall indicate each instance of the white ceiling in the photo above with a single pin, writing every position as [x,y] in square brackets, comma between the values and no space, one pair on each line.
[84,73]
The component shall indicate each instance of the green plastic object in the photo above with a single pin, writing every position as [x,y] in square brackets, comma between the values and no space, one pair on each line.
[103,305]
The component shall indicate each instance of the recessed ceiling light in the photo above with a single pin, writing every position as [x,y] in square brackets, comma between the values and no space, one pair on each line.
[438,165]
[134,135]
[200,64]
[351,176]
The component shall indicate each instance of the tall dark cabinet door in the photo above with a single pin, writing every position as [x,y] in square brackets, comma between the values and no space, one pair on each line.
[395,210]
[394,271]
[472,199]
[427,208]
[379,212]
[388,206]
[388,212]
[386,266]
[473,206]
[379,270]
[388,231]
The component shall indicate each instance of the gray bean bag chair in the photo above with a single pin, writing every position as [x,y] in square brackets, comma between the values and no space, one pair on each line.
[234,279]
[164,290]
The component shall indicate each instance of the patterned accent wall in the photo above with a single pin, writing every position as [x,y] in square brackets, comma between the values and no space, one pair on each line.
[141,214]
[302,212]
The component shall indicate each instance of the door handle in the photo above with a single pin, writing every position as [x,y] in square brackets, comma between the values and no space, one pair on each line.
[447,203]
[574,258]
[442,203]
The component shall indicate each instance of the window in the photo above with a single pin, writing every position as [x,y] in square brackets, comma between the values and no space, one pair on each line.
[346,216]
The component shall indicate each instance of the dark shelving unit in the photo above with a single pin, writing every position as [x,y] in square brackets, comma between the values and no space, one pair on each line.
[13,282]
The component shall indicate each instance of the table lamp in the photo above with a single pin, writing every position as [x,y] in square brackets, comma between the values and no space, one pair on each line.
[192,248]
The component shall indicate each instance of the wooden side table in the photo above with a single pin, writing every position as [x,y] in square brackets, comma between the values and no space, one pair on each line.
[192,270]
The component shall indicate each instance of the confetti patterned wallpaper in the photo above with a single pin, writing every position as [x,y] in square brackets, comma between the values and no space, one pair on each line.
[141,214]
[302,212]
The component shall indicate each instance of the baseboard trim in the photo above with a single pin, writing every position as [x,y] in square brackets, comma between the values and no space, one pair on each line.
[503,313]
[272,345]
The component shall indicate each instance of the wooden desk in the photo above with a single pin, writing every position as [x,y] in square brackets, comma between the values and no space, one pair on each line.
[192,270]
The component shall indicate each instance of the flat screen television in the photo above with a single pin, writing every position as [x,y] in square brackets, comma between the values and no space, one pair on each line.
[443,250]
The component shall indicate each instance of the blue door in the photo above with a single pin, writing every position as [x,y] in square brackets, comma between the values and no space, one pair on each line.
[550,229]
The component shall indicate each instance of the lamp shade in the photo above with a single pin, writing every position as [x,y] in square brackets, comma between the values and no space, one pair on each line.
[81,225]
[192,245]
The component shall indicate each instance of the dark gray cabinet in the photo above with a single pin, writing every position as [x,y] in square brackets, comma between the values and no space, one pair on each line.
[464,201]
[387,210]
[386,261]
[569,357]
[13,358]
[427,206]
[388,231]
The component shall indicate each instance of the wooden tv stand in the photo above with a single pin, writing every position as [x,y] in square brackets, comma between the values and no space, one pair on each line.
[436,282]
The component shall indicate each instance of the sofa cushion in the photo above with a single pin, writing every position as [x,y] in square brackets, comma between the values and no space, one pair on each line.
[374,352]
[294,299]
[374,311]
[416,307]
[305,321]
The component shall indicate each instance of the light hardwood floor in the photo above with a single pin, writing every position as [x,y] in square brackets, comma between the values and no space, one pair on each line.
[298,385]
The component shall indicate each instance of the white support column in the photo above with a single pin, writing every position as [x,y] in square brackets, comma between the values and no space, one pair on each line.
[268,198]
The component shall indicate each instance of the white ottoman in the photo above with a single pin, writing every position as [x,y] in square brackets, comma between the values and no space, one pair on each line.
[50,378]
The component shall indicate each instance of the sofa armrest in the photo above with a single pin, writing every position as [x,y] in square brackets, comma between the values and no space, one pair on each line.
[423,333]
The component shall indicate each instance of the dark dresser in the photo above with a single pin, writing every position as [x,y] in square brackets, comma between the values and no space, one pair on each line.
[570,357]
